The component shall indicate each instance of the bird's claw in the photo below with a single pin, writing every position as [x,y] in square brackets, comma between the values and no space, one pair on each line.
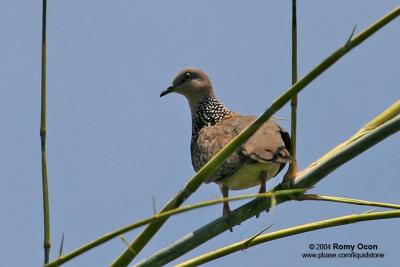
[259,202]
[288,183]
[227,217]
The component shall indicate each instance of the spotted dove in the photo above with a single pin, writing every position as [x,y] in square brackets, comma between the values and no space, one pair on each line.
[261,158]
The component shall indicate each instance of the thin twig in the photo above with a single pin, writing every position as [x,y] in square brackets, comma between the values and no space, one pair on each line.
[347,201]
[46,209]
[60,251]
[126,242]
[369,211]
[153,202]
[251,238]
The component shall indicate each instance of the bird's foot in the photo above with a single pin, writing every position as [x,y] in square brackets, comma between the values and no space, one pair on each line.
[288,183]
[227,216]
[259,201]
[258,204]
[258,213]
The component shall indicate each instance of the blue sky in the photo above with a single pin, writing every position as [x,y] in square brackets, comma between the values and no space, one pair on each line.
[113,144]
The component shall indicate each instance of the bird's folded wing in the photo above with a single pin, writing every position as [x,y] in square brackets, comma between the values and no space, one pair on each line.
[269,144]
[209,141]
[266,145]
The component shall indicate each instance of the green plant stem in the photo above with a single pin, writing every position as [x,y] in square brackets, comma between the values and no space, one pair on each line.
[347,201]
[343,220]
[297,194]
[101,240]
[327,165]
[293,103]
[386,115]
[191,186]
[306,180]
[46,209]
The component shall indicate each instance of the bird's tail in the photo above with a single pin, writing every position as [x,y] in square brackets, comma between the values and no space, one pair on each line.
[282,155]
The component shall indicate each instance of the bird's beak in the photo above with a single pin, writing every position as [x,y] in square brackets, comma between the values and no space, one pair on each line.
[170,89]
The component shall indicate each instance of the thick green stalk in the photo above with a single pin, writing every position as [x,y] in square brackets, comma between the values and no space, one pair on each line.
[293,103]
[389,113]
[101,240]
[306,180]
[191,186]
[46,209]
[239,246]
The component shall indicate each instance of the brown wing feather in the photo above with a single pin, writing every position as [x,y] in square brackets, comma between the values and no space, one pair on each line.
[288,144]
[208,142]
[266,145]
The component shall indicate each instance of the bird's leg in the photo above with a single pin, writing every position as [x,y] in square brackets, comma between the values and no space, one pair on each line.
[290,176]
[226,211]
[263,178]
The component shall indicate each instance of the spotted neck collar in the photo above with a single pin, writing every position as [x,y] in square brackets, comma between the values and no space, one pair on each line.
[209,112]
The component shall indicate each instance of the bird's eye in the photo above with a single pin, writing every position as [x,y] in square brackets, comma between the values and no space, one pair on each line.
[188,76]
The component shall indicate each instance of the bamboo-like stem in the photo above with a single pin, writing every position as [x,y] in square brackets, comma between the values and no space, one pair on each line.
[45,185]
[311,175]
[307,179]
[389,113]
[191,186]
[343,220]
[291,173]
[101,240]
[296,194]
[346,200]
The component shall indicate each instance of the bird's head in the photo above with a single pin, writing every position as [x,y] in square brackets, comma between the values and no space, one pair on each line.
[193,83]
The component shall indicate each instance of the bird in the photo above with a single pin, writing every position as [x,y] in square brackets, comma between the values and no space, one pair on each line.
[258,160]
